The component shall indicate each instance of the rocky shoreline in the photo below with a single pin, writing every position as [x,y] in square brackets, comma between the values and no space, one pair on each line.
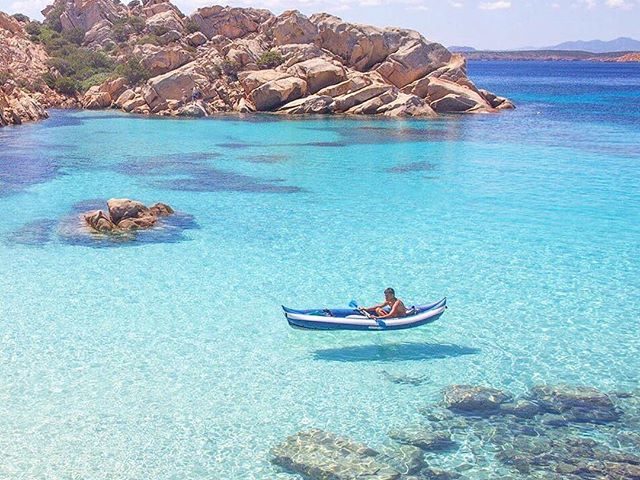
[152,59]
[551,432]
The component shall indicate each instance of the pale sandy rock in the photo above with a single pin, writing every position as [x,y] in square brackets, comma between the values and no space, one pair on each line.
[229,22]
[94,98]
[407,105]
[499,103]
[373,105]
[10,24]
[253,79]
[84,14]
[413,60]
[126,96]
[293,53]
[166,20]
[134,104]
[275,93]
[114,87]
[175,85]
[193,109]
[349,100]
[318,73]
[159,60]
[99,33]
[310,104]
[291,27]
[419,88]
[153,7]
[449,97]
[359,46]
[244,106]
[348,86]
[196,39]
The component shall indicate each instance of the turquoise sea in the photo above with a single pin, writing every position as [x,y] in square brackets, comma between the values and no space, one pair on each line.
[169,357]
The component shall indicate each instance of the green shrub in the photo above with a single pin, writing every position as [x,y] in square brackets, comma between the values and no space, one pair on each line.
[152,39]
[4,77]
[53,19]
[20,17]
[159,30]
[133,71]
[270,59]
[230,68]
[97,79]
[191,26]
[120,33]
[133,3]
[137,23]
[33,29]
[74,35]
[66,85]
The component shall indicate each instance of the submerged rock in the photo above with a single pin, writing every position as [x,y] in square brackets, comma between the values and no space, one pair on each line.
[576,404]
[423,438]
[320,455]
[474,400]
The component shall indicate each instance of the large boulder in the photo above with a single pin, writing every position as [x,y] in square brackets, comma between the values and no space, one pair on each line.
[449,97]
[276,93]
[229,22]
[349,100]
[126,215]
[474,400]
[576,404]
[318,73]
[414,59]
[178,84]
[165,21]
[158,60]
[310,104]
[84,14]
[94,98]
[316,454]
[291,27]
[360,46]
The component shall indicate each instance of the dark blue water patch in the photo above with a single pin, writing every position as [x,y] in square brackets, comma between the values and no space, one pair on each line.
[19,171]
[420,166]
[265,158]
[72,230]
[393,353]
[37,233]
[88,205]
[167,165]
[238,145]
[215,180]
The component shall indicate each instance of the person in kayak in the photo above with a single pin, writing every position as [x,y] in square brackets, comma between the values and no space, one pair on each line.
[392,307]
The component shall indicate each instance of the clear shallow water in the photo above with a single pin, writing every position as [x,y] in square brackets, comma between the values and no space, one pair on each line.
[170,358]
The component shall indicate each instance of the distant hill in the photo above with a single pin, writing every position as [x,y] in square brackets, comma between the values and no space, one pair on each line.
[457,49]
[622,44]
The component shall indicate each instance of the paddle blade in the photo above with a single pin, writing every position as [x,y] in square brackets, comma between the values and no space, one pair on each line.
[353,304]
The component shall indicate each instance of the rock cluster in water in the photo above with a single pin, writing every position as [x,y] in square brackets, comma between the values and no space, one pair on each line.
[224,59]
[125,215]
[552,432]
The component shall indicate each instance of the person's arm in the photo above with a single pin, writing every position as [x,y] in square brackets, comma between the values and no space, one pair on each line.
[372,309]
[394,311]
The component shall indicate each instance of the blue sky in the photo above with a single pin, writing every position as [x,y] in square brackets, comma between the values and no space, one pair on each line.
[493,24]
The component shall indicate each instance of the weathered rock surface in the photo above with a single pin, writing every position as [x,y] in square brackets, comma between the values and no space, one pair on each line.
[222,59]
[475,400]
[126,215]
[317,454]
[576,404]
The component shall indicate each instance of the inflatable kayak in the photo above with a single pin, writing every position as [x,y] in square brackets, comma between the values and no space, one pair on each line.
[353,319]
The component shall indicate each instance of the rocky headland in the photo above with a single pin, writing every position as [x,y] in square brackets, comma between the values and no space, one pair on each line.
[149,58]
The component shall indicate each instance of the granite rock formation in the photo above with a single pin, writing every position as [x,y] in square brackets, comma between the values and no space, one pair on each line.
[228,59]
[125,215]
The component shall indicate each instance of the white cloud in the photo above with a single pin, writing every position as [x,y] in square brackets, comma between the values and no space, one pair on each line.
[497,5]
[623,4]
[455,4]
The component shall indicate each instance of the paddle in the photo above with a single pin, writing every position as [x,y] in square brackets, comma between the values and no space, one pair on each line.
[354,304]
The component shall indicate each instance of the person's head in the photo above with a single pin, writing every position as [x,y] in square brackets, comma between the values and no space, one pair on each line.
[389,293]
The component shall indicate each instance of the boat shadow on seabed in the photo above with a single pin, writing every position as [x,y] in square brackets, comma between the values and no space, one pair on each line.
[397,352]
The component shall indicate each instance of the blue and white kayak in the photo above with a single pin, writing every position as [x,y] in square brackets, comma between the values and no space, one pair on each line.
[353,319]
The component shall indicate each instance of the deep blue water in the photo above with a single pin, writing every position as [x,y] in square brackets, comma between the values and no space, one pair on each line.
[168,357]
